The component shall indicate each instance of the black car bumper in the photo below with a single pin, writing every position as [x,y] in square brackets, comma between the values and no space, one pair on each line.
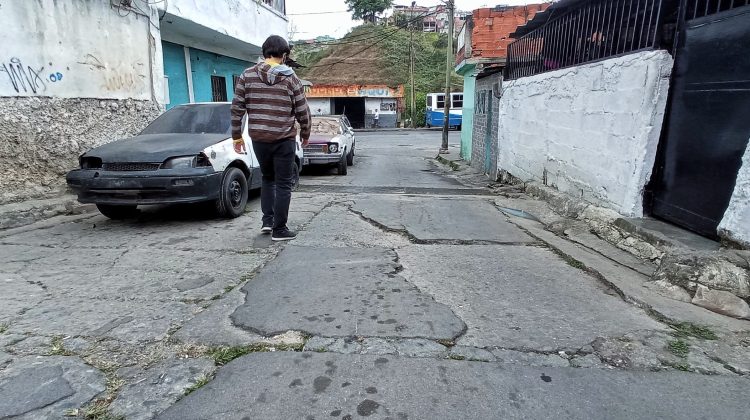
[127,188]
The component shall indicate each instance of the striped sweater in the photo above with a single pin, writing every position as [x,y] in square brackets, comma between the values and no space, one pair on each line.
[273,98]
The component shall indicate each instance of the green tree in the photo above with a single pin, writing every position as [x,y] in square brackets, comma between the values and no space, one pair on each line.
[367,10]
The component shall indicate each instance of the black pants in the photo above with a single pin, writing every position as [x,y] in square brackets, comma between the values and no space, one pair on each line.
[277,166]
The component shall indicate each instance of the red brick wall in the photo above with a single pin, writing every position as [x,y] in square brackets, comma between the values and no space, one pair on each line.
[491,34]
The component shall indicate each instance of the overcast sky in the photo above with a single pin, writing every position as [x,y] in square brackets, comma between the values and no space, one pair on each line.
[306,25]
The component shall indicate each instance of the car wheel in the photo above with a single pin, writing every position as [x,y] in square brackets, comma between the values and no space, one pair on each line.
[295,176]
[116,212]
[342,168]
[350,157]
[232,194]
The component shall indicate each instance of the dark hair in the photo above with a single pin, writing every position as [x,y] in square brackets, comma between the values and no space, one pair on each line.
[275,46]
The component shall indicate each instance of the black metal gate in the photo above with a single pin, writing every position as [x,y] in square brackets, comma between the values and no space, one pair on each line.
[708,125]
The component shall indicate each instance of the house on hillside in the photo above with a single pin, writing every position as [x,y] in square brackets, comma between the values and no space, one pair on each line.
[432,19]
[482,48]
[90,72]
[642,111]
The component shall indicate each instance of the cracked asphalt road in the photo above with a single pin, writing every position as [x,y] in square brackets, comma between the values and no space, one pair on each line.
[407,295]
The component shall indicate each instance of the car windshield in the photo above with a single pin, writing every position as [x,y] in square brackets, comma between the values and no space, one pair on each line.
[325,125]
[193,119]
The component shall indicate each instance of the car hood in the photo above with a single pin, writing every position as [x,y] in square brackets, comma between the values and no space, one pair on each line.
[323,138]
[155,147]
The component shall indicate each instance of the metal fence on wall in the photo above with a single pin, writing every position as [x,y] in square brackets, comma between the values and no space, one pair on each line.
[700,8]
[590,31]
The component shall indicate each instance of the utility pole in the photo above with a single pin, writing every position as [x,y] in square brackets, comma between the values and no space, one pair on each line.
[411,64]
[448,71]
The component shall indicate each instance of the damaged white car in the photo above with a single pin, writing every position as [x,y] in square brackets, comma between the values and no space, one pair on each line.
[186,155]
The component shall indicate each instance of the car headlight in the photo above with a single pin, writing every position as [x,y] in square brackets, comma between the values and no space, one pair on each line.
[180,162]
[333,147]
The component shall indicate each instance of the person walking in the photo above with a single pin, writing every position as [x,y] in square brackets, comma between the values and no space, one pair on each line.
[375,118]
[273,98]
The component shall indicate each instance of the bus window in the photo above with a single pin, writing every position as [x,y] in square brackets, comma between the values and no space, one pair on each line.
[458,100]
[429,101]
[441,101]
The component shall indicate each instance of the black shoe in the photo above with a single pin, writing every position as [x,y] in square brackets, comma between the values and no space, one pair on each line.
[284,235]
[266,230]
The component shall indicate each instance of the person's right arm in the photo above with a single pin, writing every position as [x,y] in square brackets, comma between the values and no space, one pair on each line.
[238,112]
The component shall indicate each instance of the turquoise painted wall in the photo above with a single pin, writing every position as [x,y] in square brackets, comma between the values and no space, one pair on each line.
[467,122]
[174,69]
[206,64]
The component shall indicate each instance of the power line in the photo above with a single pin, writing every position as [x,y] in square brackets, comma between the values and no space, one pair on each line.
[365,37]
[317,13]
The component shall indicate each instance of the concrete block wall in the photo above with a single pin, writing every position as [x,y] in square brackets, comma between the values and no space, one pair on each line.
[485,126]
[735,226]
[590,131]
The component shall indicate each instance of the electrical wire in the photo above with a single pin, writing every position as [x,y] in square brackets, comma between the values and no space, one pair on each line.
[365,37]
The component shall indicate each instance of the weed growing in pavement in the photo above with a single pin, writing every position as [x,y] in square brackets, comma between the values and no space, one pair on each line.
[454,356]
[99,410]
[224,355]
[203,380]
[445,342]
[678,348]
[683,366]
[687,329]
[575,263]
[4,327]
[58,348]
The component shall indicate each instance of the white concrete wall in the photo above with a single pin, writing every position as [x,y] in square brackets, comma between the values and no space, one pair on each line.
[590,131]
[79,49]
[735,225]
[320,106]
[247,21]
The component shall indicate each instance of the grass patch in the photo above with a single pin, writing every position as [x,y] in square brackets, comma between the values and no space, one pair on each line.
[683,366]
[229,288]
[4,327]
[453,356]
[58,348]
[678,348]
[203,380]
[687,329]
[224,355]
[99,410]
[575,263]
[446,343]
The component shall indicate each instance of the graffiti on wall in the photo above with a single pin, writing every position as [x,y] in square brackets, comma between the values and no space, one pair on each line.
[27,79]
[361,91]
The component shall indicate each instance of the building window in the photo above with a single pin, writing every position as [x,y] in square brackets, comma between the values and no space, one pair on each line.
[218,88]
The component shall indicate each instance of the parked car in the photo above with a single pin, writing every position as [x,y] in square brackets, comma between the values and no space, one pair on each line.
[185,155]
[332,142]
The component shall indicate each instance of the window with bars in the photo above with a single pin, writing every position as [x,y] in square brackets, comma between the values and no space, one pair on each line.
[218,88]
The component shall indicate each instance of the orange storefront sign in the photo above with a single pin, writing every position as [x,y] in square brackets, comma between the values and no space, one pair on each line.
[354,91]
